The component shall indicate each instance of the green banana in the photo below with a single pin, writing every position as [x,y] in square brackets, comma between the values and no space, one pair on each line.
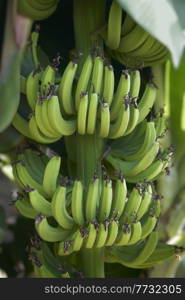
[124,235]
[59,209]
[77,203]
[150,173]
[47,79]
[51,174]
[92,113]
[37,135]
[108,85]
[101,236]
[32,87]
[114,26]
[97,75]
[112,233]
[105,200]
[132,205]
[120,95]
[133,168]
[145,202]
[83,81]
[49,233]
[148,225]
[89,240]
[40,204]
[136,233]
[119,127]
[25,208]
[82,114]
[21,125]
[149,139]
[65,88]
[133,40]
[119,198]
[40,121]
[92,200]
[147,101]
[104,126]
[58,123]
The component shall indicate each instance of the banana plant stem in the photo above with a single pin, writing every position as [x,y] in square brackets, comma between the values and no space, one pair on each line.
[93,262]
[89,150]
[88,16]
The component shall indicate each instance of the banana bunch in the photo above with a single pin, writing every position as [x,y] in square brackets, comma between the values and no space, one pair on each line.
[96,217]
[140,157]
[129,43]
[46,264]
[37,9]
[89,105]
[144,255]
[34,170]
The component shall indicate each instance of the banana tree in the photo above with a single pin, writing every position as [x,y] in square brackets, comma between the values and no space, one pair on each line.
[88,96]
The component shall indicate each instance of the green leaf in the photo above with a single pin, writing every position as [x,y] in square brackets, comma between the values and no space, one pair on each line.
[179,7]
[15,35]
[161,20]
[177,94]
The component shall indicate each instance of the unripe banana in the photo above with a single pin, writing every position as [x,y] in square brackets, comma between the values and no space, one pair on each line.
[82,114]
[130,169]
[40,121]
[59,209]
[114,26]
[124,235]
[92,113]
[48,130]
[97,75]
[145,202]
[105,200]
[101,236]
[26,179]
[77,203]
[91,236]
[58,123]
[49,233]
[47,79]
[135,84]
[25,209]
[22,125]
[40,204]
[149,139]
[108,86]
[132,205]
[118,128]
[133,40]
[92,200]
[51,173]
[65,88]
[112,233]
[119,198]
[147,250]
[104,126]
[133,118]
[32,88]
[150,173]
[147,101]
[78,241]
[83,81]
[148,225]
[136,232]
[37,135]
[120,95]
